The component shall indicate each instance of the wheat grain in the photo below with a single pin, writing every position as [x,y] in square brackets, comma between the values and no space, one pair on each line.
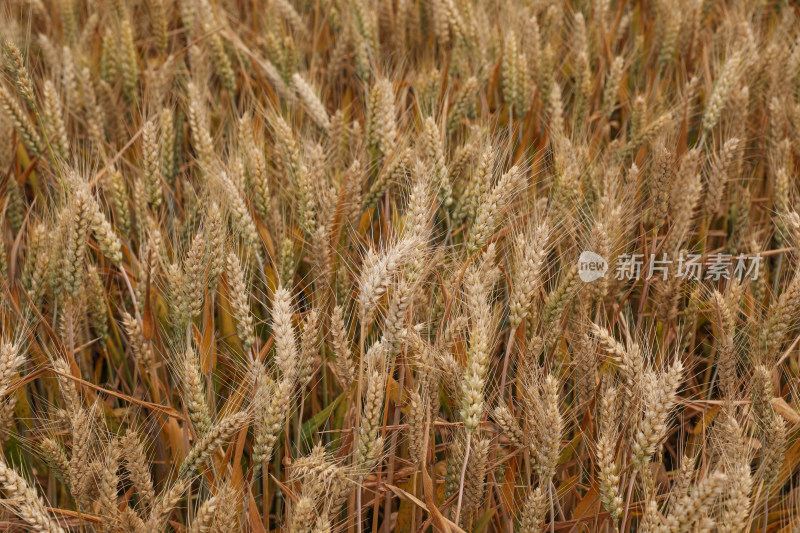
[207,445]
[26,502]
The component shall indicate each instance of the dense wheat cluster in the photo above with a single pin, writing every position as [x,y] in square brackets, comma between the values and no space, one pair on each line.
[399,265]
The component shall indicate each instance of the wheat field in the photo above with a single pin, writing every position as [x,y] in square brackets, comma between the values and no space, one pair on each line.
[399,265]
